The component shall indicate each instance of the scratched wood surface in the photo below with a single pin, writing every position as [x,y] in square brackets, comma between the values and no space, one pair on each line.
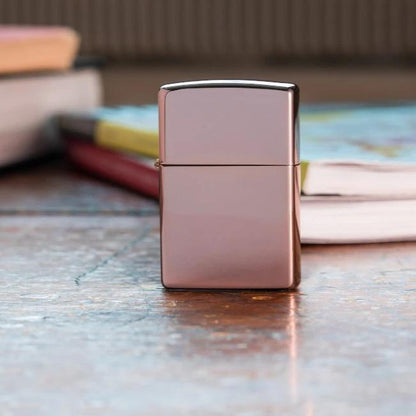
[86,328]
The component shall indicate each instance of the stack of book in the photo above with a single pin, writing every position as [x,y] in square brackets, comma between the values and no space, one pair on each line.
[36,82]
[358,169]
[360,175]
[119,144]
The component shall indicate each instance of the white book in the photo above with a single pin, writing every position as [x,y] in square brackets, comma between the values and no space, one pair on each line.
[335,220]
[369,179]
[28,104]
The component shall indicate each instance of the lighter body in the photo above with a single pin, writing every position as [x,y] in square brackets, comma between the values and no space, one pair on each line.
[229,185]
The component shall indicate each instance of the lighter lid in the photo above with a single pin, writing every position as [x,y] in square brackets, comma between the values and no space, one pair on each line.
[228,122]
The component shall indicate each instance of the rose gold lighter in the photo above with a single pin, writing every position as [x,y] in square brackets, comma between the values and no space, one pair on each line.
[229,185]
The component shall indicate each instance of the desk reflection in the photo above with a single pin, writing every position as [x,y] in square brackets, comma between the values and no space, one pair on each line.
[239,325]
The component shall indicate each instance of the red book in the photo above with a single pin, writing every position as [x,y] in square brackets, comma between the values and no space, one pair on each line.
[135,173]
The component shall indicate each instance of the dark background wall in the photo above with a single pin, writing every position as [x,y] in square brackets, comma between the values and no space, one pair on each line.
[276,30]
[336,50]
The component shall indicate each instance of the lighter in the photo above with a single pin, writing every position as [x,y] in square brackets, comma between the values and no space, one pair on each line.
[229,185]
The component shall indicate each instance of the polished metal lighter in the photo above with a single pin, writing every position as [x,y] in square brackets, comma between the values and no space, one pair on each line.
[229,185]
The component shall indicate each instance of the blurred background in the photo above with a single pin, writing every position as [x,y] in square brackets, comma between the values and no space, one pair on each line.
[337,50]
[76,73]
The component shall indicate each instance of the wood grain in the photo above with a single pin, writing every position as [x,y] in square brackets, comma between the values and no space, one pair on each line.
[86,327]
[56,188]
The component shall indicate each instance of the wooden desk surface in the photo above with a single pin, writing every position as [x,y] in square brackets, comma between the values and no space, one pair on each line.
[86,327]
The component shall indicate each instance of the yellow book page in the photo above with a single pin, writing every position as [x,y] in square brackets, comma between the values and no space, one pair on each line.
[303,172]
[117,137]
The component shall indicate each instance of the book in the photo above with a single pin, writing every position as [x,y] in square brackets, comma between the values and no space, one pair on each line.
[359,150]
[36,48]
[354,190]
[27,127]
[133,172]
[348,220]
[124,128]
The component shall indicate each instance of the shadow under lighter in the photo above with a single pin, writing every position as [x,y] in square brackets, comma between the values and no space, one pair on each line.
[229,185]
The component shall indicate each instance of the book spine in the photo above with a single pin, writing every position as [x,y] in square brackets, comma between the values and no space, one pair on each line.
[113,166]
